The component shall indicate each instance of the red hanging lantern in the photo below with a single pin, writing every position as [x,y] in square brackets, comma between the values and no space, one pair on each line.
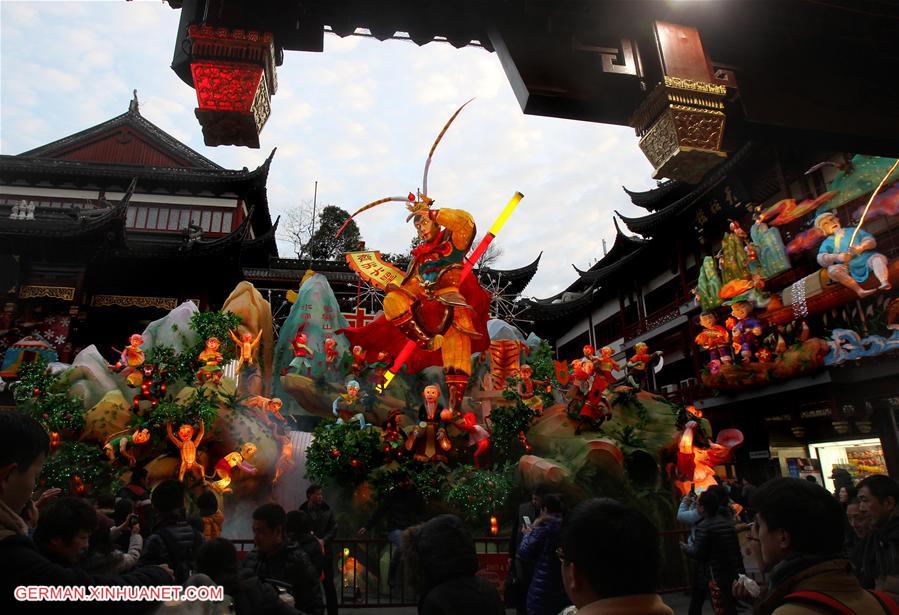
[78,485]
[355,463]
[335,453]
[494,526]
[234,76]
[54,440]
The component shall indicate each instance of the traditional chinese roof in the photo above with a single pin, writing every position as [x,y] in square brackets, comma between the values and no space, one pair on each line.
[659,197]
[512,281]
[565,303]
[596,276]
[127,139]
[111,154]
[94,227]
[660,221]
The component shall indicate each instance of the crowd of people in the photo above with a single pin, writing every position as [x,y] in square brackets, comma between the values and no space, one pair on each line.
[819,552]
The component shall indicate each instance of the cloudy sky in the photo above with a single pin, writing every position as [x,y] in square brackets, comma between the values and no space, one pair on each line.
[358,118]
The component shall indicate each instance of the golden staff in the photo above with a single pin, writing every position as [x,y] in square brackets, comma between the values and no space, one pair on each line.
[871,200]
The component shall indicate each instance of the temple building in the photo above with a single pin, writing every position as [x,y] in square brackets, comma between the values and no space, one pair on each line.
[109,228]
[819,391]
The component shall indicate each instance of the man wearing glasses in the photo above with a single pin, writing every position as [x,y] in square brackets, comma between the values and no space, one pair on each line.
[798,533]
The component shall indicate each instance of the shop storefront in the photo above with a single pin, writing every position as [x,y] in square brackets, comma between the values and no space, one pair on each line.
[860,458]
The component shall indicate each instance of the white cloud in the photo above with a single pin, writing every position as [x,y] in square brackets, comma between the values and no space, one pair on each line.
[358,118]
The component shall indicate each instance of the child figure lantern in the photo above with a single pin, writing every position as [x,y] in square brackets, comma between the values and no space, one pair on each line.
[430,433]
[302,356]
[715,340]
[747,330]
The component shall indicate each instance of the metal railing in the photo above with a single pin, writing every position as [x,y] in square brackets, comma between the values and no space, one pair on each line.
[655,319]
[362,568]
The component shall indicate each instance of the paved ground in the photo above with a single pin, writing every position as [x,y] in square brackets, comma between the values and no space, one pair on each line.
[678,602]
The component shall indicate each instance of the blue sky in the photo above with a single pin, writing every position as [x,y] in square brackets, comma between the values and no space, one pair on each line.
[359,118]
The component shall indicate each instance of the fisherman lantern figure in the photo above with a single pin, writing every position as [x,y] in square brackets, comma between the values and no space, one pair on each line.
[432,305]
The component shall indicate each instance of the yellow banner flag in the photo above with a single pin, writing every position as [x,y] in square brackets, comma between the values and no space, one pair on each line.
[374,269]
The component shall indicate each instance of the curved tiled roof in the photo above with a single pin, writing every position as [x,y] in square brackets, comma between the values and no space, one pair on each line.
[654,223]
[657,198]
[134,120]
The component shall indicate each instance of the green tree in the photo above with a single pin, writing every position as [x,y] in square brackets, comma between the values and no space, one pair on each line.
[324,245]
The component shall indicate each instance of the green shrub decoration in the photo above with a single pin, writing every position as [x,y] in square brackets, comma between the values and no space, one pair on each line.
[342,453]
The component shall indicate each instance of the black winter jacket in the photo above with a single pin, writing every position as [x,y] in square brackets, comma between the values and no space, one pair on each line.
[185,540]
[716,549]
[22,564]
[441,554]
[324,524]
[290,565]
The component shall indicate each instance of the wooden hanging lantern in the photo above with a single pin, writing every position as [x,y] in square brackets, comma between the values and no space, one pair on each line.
[233,72]
[681,122]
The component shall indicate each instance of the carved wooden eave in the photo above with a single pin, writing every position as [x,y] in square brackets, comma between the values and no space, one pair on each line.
[681,122]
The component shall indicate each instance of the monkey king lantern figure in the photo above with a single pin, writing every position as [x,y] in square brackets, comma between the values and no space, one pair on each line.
[431,429]
[432,304]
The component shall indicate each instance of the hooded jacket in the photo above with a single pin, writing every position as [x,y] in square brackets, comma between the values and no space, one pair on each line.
[831,576]
[440,556]
[22,564]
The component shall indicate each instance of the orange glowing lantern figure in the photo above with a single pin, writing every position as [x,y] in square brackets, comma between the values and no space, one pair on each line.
[188,447]
[265,406]
[494,526]
[247,346]
[226,465]
[54,440]
[211,358]
[78,485]
[478,436]
[430,431]
[233,74]
[695,463]
[285,460]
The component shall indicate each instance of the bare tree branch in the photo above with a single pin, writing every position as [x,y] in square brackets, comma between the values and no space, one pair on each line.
[298,229]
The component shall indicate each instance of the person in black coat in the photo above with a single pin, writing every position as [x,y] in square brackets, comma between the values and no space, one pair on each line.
[276,560]
[24,445]
[441,559]
[716,549]
[174,541]
[324,526]
[299,535]
[404,507]
[217,558]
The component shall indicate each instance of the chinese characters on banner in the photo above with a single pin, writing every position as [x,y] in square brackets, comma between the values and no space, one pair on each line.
[373,269]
